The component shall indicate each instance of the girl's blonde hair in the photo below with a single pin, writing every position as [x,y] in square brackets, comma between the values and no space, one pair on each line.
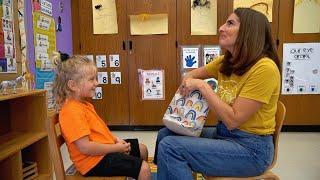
[67,69]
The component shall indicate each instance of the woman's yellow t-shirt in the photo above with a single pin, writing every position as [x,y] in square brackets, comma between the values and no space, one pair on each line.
[260,83]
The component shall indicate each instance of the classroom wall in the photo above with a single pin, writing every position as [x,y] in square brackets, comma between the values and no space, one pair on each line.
[64,38]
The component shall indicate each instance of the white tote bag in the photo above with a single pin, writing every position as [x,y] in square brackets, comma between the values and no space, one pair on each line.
[186,115]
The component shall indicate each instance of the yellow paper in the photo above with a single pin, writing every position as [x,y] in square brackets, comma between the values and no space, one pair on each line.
[306,16]
[145,24]
[50,33]
[204,19]
[104,14]
[263,6]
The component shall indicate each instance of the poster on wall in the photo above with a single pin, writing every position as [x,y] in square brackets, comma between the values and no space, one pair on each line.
[49,87]
[306,16]
[210,53]
[45,44]
[104,17]
[204,17]
[152,83]
[301,68]
[46,7]
[8,62]
[43,6]
[190,57]
[263,6]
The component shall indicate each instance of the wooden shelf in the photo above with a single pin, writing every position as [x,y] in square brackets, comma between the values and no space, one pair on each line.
[15,141]
[20,94]
[23,135]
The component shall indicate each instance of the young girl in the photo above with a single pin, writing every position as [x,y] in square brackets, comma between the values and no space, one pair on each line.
[94,150]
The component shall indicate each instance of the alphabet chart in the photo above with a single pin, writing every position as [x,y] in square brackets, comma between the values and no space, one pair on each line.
[301,68]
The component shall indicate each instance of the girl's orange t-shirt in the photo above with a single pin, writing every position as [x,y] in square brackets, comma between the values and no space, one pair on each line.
[78,119]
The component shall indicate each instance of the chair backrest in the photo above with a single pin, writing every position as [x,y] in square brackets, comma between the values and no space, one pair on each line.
[279,117]
[56,140]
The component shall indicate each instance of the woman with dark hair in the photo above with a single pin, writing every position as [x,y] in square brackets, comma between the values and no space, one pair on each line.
[245,105]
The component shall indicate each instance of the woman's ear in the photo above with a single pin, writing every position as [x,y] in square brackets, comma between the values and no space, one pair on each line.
[72,85]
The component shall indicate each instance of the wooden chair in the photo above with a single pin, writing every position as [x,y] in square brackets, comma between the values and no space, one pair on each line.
[280,115]
[56,140]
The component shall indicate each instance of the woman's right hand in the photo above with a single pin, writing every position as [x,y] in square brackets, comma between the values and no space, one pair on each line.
[190,84]
[182,87]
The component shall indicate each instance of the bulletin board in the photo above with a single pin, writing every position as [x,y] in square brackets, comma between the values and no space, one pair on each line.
[10,54]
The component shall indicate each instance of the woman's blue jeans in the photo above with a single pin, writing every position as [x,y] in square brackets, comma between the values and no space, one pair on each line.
[218,152]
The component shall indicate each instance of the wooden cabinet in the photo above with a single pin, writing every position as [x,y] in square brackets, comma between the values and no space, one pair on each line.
[122,104]
[23,136]
[152,52]
[114,107]
[301,109]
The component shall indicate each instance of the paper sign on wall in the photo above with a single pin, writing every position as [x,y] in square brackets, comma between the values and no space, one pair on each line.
[210,53]
[146,24]
[152,84]
[49,87]
[114,60]
[101,61]
[306,16]
[301,68]
[89,57]
[204,18]
[46,7]
[115,77]
[104,17]
[98,93]
[103,77]
[190,57]
[263,6]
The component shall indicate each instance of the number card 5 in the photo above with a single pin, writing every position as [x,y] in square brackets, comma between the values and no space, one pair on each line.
[101,61]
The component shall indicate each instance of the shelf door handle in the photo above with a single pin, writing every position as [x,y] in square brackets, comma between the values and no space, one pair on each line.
[124,45]
[130,47]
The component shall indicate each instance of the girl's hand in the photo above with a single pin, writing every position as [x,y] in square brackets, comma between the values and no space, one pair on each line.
[120,140]
[124,147]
